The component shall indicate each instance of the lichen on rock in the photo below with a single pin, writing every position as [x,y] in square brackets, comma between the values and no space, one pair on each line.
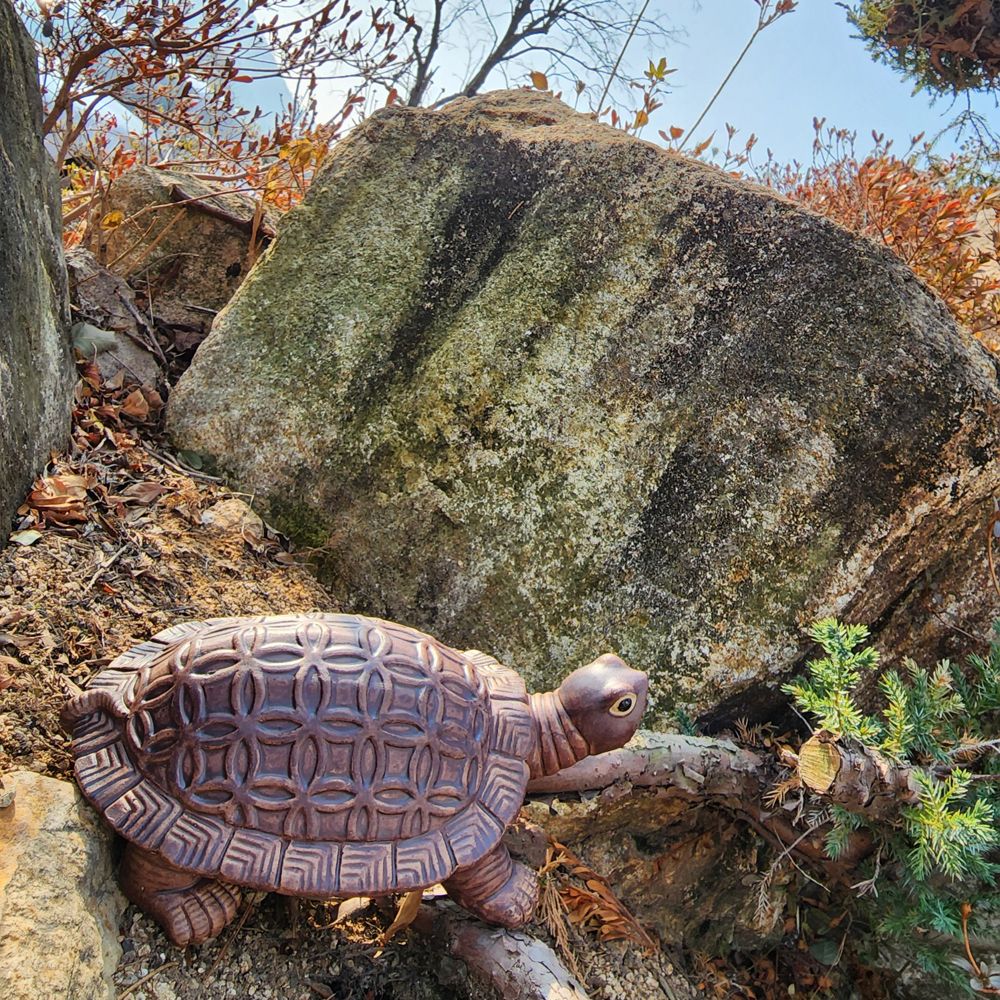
[35,366]
[544,389]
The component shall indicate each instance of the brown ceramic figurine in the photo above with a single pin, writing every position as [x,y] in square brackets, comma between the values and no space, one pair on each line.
[326,756]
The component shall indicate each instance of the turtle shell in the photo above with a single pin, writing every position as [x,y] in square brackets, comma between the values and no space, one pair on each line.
[313,755]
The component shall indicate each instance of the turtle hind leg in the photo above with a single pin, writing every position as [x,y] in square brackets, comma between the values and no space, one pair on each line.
[496,889]
[189,907]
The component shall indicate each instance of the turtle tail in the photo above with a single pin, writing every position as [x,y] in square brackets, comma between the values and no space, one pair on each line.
[82,703]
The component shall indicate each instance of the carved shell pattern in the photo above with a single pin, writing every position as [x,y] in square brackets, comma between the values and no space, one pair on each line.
[310,729]
[312,754]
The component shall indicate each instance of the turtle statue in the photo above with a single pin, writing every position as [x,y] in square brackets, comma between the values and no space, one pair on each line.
[326,756]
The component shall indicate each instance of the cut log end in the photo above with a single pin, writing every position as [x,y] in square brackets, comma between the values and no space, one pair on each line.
[819,763]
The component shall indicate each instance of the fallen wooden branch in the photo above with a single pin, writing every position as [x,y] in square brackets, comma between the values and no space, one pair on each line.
[705,769]
[856,777]
[691,766]
[695,768]
[514,964]
[202,203]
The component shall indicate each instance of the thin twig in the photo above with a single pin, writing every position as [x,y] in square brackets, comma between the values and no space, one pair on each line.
[965,748]
[763,21]
[145,979]
[127,367]
[244,916]
[105,566]
[621,55]
[192,473]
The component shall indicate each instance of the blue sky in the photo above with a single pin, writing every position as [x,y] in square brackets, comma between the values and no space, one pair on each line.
[805,64]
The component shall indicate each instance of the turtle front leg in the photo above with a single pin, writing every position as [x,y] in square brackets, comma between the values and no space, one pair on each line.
[189,907]
[496,889]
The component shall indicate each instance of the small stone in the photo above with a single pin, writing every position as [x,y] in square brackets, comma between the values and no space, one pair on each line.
[89,340]
[234,515]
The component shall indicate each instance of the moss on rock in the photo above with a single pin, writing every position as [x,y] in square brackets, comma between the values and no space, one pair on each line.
[36,371]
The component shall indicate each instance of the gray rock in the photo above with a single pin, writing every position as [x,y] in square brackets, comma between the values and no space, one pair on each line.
[89,340]
[189,254]
[36,371]
[59,901]
[115,352]
[544,389]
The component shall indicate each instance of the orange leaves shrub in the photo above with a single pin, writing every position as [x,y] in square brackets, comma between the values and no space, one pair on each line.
[147,82]
[945,228]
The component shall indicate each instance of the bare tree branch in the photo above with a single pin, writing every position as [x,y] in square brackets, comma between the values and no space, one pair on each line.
[576,37]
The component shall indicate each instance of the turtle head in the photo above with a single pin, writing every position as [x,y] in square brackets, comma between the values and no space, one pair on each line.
[605,700]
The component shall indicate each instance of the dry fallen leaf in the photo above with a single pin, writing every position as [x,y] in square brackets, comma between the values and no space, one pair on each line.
[17,641]
[135,405]
[58,500]
[153,398]
[26,537]
[141,493]
[405,914]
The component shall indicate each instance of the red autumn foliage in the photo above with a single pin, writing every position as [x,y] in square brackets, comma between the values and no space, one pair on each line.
[157,83]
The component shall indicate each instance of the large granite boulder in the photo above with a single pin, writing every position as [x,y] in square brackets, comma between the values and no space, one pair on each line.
[545,389]
[35,366]
[59,901]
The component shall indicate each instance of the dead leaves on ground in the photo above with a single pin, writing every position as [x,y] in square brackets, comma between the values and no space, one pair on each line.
[110,480]
[87,484]
[59,500]
[574,894]
[104,411]
[71,495]
[107,477]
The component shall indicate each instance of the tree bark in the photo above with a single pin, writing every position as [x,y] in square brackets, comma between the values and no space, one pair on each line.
[514,964]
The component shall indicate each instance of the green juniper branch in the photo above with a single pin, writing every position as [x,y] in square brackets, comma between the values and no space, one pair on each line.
[933,855]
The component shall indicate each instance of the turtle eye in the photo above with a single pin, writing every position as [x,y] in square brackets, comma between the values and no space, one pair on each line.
[624,704]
